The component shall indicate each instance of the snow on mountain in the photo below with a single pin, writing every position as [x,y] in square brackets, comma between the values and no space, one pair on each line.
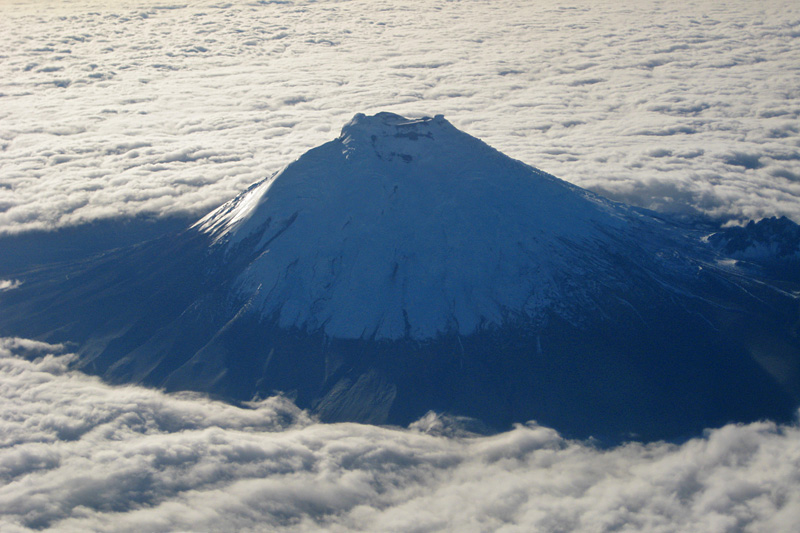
[769,238]
[406,266]
[408,227]
[771,246]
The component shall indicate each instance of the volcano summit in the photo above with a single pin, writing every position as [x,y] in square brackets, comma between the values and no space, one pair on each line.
[405,267]
[411,229]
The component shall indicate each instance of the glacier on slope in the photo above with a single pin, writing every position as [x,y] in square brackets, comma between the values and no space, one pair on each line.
[409,228]
[406,266]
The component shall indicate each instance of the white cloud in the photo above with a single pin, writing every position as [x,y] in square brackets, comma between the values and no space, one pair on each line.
[113,110]
[9,284]
[78,455]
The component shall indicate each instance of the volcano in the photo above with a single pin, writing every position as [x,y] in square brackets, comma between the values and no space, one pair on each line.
[406,267]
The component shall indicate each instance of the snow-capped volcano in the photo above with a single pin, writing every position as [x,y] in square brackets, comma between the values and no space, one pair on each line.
[409,227]
[406,266]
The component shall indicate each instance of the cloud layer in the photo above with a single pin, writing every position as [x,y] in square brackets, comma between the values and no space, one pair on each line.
[79,455]
[113,110]
[151,108]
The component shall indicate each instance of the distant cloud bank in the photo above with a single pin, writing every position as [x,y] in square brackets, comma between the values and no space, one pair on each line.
[79,455]
[151,108]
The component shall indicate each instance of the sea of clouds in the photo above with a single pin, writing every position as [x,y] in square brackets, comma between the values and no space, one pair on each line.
[166,108]
[117,109]
[79,455]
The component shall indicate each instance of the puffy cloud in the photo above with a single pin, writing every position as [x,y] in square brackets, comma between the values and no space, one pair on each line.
[114,110]
[78,455]
[9,284]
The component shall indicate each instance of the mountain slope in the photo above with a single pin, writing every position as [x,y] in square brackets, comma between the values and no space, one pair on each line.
[413,228]
[406,266]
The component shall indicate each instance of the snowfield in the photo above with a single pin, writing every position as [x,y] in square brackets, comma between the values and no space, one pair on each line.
[408,227]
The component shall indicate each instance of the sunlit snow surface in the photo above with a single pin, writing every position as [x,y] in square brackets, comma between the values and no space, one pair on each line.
[402,227]
[79,455]
[115,108]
